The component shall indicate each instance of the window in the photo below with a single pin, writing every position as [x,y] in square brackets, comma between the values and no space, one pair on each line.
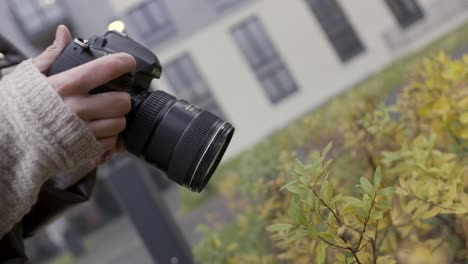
[188,84]
[151,20]
[38,18]
[407,12]
[264,59]
[337,28]
[222,5]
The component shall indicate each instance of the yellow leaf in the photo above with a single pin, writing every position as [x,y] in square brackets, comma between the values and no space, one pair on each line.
[431,213]
[442,104]
[464,134]
[463,102]
[464,118]
[232,247]
[442,57]
[465,59]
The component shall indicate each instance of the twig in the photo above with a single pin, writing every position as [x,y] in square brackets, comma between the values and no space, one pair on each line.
[339,222]
[366,221]
[331,244]
[387,230]
[341,247]
[374,243]
[425,201]
[354,254]
[328,207]
[363,246]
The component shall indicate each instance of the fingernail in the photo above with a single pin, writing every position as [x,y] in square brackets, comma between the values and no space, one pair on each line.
[59,30]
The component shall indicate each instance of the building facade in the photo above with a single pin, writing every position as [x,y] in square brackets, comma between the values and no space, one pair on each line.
[258,63]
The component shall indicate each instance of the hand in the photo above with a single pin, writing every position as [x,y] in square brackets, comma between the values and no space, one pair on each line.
[104,114]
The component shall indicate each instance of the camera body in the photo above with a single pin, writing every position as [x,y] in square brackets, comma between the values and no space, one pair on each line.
[182,140]
[80,51]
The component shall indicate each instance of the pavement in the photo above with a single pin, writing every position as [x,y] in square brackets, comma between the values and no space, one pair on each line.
[118,242]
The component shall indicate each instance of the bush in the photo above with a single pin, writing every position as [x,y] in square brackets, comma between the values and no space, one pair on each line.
[407,160]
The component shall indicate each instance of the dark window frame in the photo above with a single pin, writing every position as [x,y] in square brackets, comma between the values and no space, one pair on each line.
[222,5]
[184,85]
[403,13]
[157,32]
[337,27]
[268,64]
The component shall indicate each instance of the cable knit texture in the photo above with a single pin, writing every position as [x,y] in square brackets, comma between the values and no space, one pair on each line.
[39,137]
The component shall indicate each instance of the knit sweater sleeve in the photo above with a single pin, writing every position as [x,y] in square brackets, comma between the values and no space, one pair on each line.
[39,137]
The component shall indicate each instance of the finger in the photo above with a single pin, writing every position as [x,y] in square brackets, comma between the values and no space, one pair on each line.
[82,79]
[100,106]
[108,143]
[44,61]
[104,128]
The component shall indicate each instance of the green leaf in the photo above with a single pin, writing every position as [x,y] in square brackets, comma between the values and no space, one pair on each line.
[355,202]
[377,215]
[320,253]
[314,233]
[336,198]
[389,191]
[298,168]
[294,210]
[327,236]
[296,189]
[377,177]
[304,180]
[327,149]
[367,186]
[326,192]
[340,257]
[384,205]
[288,184]
[298,234]
[280,227]
[432,213]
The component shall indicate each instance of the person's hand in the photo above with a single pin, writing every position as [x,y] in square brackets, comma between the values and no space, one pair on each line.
[104,114]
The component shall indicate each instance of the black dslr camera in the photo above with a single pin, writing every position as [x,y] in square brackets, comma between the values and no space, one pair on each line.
[185,142]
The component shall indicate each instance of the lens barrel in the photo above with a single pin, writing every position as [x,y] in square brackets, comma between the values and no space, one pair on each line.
[179,138]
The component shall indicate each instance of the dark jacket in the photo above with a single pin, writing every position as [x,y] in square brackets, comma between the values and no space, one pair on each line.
[52,201]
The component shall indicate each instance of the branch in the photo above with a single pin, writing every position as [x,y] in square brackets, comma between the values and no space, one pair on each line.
[341,247]
[331,244]
[366,222]
[387,230]
[339,222]
[328,207]
[373,243]
[363,246]
[425,201]
[354,254]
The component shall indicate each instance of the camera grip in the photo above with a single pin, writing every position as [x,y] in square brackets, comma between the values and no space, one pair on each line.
[67,59]
[74,55]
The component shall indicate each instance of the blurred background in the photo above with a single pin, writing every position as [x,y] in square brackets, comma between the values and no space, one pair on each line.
[266,66]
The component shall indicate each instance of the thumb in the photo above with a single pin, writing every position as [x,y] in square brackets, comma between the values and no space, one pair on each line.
[44,61]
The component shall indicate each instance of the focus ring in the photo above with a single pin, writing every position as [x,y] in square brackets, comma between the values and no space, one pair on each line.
[190,146]
[144,121]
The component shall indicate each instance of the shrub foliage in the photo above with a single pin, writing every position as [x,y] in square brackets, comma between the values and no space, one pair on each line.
[396,191]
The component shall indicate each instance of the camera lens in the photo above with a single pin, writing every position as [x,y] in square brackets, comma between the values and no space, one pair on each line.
[177,137]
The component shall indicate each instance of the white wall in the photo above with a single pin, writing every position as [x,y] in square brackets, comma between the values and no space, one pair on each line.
[305,49]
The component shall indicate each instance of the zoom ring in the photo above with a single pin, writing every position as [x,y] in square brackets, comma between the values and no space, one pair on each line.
[145,120]
[190,147]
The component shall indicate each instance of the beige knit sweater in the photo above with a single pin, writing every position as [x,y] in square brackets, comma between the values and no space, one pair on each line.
[39,138]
